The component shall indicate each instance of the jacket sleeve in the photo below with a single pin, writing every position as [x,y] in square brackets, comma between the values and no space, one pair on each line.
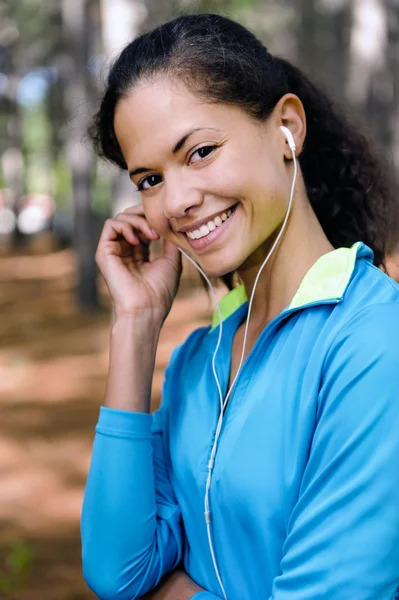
[343,535]
[131,523]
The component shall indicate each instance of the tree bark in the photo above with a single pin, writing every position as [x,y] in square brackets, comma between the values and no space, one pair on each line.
[392,8]
[79,154]
[121,22]
[323,38]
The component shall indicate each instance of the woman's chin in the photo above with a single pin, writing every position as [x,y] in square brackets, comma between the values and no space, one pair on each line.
[217,272]
[213,265]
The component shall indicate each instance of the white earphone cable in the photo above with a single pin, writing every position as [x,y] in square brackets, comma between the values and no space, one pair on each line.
[210,464]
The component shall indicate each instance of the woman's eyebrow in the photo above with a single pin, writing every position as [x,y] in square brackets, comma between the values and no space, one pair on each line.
[183,140]
[175,149]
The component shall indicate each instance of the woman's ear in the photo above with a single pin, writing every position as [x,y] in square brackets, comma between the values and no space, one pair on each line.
[291,114]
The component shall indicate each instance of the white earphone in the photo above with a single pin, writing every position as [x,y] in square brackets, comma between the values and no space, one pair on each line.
[289,138]
[291,142]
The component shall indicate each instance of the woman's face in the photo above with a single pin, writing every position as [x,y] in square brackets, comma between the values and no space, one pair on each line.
[212,180]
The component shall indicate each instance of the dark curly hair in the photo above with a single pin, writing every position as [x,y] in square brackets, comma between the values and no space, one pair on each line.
[222,62]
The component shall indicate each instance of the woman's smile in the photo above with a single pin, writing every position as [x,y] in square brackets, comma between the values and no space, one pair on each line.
[201,237]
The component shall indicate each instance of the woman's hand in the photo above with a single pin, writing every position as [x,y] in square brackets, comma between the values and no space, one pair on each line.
[176,586]
[136,283]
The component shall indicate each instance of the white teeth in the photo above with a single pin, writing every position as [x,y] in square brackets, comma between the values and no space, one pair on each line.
[210,226]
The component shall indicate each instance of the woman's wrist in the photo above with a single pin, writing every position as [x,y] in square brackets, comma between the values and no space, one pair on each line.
[138,315]
[133,347]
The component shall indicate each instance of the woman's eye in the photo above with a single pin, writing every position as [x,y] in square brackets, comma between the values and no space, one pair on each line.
[148,182]
[202,153]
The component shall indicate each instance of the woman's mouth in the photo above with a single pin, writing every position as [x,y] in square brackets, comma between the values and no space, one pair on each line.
[209,232]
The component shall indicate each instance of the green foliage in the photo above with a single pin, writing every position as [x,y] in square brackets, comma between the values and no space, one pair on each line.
[243,4]
[62,183]
[18,563]
[36,129]
[32,32]
[227,7]
[239,10]
[36,145]
[102,193]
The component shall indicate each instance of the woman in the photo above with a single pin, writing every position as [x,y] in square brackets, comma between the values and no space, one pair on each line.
[301,489]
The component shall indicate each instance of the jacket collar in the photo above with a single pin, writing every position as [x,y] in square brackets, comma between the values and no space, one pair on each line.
[326,280]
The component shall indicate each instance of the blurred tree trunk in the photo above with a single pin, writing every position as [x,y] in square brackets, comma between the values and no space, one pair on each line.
[392,53]
[56,112]
[373,84]
[306,28]
[121,22]
[392,18]
[79,154]
[368,86]
[13,160]
[323,42]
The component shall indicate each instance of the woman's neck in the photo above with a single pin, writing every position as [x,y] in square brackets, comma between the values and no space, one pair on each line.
[302,244]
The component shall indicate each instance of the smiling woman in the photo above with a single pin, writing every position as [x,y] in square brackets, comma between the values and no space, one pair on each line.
[301,468]
[227,164]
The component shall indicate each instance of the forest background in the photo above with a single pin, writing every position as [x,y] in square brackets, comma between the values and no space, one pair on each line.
[54,197]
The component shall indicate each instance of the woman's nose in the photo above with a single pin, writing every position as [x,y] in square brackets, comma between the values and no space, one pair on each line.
[179,199]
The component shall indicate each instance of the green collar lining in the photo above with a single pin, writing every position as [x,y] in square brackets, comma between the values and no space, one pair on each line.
[327,279]
[229,304]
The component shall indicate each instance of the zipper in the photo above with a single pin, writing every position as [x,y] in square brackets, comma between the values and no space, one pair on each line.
[287,312]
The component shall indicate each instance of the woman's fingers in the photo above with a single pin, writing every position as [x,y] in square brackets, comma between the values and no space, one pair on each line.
[135,209]
[133,229]
[171,252]
[113,230]
[140,223]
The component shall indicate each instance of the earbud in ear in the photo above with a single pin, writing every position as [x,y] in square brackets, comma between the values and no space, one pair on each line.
[289,137]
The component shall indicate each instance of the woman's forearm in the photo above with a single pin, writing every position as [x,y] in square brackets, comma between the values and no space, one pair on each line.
[133,348]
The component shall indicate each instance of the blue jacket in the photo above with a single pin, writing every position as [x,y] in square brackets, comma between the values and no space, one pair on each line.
[305,488]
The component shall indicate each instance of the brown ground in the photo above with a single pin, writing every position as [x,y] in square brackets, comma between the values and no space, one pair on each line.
[53,365]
